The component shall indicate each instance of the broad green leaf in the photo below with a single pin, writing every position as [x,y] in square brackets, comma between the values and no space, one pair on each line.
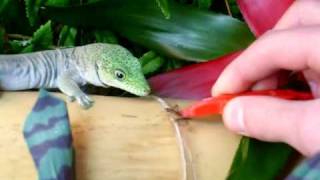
[190,34]
[259,160]
[105,36]
[204,4]
[67,36]
[163,5]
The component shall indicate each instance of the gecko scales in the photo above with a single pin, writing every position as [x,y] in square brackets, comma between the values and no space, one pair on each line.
[98,64]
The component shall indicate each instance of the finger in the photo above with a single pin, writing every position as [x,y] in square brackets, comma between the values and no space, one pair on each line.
[272,82]
[289,50]
[300,13]
[293,122]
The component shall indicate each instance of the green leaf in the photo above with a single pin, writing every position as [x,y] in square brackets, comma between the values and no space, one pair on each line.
[189,34]
[259,160]
[204,4]
[67,36]
[147,57]
[33,7]
[151,62]
[153,65]
[164,6]
[57,2]
[105,36]
[43,37]
[20,46]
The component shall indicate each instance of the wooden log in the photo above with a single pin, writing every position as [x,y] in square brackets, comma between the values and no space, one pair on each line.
[119,138]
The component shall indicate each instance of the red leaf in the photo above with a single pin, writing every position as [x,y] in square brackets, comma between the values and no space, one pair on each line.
[262,15]
[190,82]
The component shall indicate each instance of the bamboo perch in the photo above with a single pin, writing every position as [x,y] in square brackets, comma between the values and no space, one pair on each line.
[119,138]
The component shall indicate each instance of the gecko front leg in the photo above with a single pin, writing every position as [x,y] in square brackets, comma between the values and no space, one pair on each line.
[68,85]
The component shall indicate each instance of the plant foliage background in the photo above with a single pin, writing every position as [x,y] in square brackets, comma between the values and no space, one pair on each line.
[168,31]
[164,34]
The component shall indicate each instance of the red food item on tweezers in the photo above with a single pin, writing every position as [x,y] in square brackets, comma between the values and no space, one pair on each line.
[215,105]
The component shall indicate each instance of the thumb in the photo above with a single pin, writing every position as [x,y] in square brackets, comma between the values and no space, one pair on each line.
[276,120]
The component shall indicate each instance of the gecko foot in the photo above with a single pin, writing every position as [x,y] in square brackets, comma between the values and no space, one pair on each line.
[85,101]
[71,98]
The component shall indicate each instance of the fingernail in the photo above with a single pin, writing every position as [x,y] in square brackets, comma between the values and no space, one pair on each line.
[214,91]
[314,88]
[234,117]
[259,86]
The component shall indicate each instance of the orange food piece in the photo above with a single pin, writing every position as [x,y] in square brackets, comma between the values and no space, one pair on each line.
[215,105]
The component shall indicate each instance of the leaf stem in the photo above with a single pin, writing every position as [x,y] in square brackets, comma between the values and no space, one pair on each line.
[18,36]
[228,7]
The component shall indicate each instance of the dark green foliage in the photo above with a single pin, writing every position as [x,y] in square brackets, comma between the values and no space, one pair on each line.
[41,39]
[33,7]
[105,36]
[163,5]
[259,160]
[189,34]
[2,33]
[151,62]
[67,37]
[204,4]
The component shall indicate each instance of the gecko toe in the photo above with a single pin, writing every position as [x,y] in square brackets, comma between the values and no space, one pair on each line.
[71,98]
[85,101]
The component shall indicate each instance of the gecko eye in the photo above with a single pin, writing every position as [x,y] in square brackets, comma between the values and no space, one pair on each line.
[120,75]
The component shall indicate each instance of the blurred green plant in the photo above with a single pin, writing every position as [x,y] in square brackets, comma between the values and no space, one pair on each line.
[255,159]
[41,39]
[189,34]
[67,37]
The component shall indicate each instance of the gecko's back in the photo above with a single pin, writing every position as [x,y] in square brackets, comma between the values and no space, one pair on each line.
[67,69]
[32,70]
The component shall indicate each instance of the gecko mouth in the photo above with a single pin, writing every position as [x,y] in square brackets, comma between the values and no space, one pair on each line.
[103,84]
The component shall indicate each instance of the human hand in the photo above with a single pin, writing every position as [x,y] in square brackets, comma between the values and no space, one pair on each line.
[292,45]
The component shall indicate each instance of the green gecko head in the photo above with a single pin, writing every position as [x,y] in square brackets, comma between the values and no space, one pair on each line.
[117,67]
